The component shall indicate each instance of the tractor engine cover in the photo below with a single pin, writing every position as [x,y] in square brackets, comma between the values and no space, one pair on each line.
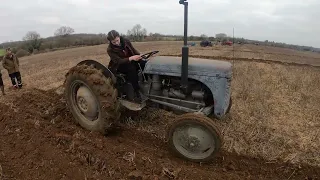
[215,74]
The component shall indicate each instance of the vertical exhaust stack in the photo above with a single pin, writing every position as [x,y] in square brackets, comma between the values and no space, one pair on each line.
[185,49]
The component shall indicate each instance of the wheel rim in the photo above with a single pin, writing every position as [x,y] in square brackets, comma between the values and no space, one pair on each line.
[84,102]
[193,141]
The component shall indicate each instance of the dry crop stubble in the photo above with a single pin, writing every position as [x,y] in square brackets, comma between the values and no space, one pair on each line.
[275,112]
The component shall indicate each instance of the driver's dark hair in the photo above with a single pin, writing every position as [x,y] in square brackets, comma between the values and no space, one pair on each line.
[112,35]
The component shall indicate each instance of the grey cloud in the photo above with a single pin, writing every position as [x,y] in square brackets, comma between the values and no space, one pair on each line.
[290,21]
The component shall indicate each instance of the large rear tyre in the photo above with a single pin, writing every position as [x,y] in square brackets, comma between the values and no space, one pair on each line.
[91,98]
[194,137]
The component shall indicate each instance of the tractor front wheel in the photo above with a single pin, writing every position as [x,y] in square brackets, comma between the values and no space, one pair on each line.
[194,137]
[91,98]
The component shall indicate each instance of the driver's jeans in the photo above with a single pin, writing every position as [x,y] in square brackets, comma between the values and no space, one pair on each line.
[130,69]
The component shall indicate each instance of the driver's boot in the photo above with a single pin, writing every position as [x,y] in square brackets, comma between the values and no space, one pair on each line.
[142,96]
[139,97]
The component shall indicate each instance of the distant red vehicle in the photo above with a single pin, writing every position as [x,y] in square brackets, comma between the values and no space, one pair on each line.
[229,43]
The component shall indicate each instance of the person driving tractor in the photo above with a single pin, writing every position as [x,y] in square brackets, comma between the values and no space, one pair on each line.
[124,58]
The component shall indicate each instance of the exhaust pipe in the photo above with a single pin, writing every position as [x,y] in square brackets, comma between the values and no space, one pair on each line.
[185,49]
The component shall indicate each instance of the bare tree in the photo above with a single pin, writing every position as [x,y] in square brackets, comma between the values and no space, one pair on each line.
[137,33]
[203,37]
[155,36]
[31,35]
[33,40]
[63,31]
[221,35]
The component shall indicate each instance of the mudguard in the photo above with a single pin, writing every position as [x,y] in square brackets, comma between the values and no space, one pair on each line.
[105,71]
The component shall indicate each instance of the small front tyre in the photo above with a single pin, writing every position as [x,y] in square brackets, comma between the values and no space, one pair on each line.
[194,137]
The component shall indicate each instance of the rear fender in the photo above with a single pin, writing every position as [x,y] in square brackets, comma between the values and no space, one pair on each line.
[105,71]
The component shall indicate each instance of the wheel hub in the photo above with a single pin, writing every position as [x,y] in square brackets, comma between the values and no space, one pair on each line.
[83,104]
[86,102]
[193,141]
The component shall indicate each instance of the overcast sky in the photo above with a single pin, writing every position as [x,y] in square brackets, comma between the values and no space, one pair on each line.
[289,21]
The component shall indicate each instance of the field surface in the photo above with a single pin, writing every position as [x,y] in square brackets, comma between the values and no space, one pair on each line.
[2,51]
[272,131]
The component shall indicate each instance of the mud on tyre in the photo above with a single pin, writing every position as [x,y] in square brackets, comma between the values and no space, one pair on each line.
[91,98]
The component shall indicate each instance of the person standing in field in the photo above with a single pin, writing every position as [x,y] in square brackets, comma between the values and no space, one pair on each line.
[11,63]
[1,84]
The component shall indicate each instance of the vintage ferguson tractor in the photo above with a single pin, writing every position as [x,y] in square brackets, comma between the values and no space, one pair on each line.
[197,87]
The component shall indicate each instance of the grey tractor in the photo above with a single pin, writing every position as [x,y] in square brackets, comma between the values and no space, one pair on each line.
[196,88]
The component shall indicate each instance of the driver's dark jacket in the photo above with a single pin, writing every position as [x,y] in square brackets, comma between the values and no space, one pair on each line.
[120,55]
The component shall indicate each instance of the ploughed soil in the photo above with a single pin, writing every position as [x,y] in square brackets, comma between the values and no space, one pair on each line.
[40,140]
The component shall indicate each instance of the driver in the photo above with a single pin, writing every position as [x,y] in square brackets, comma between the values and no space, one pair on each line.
[124,58]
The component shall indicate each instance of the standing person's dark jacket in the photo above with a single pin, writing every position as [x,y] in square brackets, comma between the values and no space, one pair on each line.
[120,55]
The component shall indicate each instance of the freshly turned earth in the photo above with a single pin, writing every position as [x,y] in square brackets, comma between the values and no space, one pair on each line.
[39,140]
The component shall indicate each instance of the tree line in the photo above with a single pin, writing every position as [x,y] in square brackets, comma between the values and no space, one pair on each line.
[65,37]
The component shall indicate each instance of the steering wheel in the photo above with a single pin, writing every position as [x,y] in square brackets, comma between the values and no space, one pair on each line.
[147,55]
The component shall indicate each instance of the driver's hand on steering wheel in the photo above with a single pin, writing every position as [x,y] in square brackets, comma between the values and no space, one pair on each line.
[135,58]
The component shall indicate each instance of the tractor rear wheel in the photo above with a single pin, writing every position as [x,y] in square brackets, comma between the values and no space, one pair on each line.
[91,98]
[194,137]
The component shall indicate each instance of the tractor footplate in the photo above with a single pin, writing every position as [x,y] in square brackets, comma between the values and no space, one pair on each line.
[131,105]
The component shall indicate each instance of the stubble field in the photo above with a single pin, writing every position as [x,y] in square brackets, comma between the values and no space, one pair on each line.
[2,51]
[272,131]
